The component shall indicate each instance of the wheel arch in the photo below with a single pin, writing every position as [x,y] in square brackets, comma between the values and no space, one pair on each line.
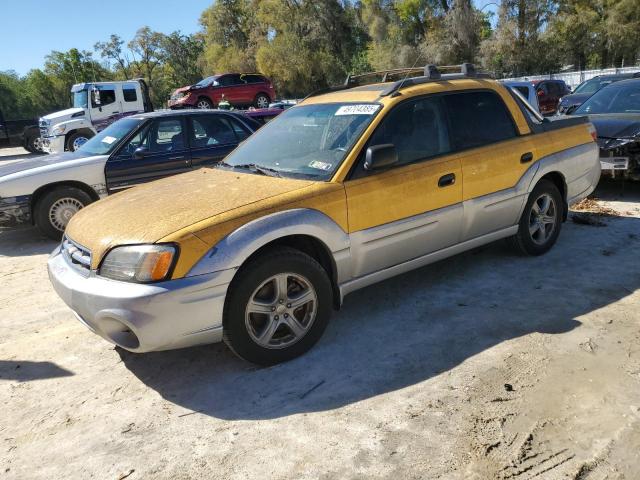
[44,189]
[307,230]
[560,182]
[311,246]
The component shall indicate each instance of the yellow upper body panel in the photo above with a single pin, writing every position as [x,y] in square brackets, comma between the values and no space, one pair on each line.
[196,210]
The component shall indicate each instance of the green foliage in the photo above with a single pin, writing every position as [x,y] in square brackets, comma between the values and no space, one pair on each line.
[304,45]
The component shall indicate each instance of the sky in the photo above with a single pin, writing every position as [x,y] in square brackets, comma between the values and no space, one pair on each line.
[30,29]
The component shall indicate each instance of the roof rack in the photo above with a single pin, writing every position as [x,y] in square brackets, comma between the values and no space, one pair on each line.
[407,77]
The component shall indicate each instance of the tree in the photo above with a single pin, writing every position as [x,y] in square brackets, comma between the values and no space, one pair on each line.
[112,50]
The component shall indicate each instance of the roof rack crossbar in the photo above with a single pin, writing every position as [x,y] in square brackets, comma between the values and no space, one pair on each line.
[428,73]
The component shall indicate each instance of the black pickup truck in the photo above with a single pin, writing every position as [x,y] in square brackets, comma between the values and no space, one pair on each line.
[16,133]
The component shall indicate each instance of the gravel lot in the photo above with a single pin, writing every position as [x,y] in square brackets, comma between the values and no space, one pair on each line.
[483,366]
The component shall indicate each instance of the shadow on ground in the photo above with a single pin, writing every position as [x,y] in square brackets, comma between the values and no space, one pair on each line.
[28,371]
[23,241]
[411,328]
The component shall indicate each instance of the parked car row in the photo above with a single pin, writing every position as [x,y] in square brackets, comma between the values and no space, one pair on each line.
[345,189]
[96,105]
[48,191]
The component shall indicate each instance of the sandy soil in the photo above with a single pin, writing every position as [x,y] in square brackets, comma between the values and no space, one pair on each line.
[484,366]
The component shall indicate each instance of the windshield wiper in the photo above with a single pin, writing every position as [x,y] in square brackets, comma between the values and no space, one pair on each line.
[270,172]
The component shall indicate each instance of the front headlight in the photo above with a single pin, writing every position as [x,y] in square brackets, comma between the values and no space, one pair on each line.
[59,130]
[139,263]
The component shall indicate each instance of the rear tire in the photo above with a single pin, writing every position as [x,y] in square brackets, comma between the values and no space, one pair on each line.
[541,220]
[261,101]
[54,210]
[277,307]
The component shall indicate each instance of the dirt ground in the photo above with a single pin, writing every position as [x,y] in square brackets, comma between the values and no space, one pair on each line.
[483,366]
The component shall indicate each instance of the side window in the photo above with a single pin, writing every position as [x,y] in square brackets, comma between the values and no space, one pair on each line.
[240,131]
[129,93]
[166,135]
[107,96]
[140,139]
[229,80]
[253,78]
[211,130]
[544,88]
[417,128]
[478,118]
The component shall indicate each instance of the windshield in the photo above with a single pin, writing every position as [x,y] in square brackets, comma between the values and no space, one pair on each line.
[205,82]
[309,141]
[616,98]
[109,138]
[80,99]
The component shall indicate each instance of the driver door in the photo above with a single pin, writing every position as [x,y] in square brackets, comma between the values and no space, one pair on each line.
[414,207]
[163,148]
[105,109]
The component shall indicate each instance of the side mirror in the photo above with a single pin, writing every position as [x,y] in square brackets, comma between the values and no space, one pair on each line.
[571,109]
[140,153]
[96,96]
[380,156]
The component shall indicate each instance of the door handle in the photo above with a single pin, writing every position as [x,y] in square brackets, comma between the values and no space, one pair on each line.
[177,158]
[526,157]
[446,180]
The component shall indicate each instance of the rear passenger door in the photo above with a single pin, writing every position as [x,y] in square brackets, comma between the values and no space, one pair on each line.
[162,151]
[494,158]
[213,136]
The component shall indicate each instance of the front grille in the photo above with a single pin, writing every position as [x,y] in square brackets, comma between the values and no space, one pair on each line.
[78,256]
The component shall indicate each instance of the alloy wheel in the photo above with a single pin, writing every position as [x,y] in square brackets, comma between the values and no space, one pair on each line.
[262,101]
[281,310]
[542,219]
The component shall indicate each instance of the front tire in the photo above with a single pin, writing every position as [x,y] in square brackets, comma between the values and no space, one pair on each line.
[76,140]
[33,143]
[541,220]
[277,307]
[204,104]
[54,210]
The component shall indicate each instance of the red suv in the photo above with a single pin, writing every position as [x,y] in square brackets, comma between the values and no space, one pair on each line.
[549,94]
[239,89]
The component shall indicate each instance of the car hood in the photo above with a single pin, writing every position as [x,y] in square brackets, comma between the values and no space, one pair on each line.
[151,212]
[620,125]
[62,114]
[42,163]
[574,99]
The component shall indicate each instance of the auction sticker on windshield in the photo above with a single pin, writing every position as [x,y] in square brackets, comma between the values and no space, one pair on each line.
[109,140]
[357,110]
[320,165]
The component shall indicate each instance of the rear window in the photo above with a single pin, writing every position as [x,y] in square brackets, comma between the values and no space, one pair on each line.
[253,78]
[477,119]
[524,91]
[129,93]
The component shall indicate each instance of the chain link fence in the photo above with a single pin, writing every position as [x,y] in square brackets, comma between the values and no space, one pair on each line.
[573,79]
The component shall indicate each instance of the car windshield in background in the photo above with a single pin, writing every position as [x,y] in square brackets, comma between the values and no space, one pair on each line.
[308,141]
[105,141]
[590,86]
[80,99]
[205,82]
[620,97]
